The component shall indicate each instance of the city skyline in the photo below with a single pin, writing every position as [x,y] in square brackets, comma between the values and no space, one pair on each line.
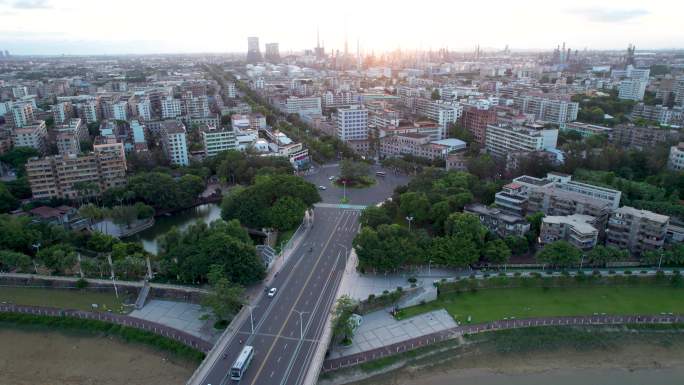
[29,27]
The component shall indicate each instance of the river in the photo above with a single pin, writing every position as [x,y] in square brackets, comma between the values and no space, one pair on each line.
[55,358]
[182,219]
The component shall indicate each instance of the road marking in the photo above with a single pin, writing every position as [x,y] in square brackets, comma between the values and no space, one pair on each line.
[301,291]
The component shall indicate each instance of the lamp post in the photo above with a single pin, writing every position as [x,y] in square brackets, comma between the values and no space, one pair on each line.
[344,190]
[301,322]
[251,316]
[409,219]
[660,260]
[429,265]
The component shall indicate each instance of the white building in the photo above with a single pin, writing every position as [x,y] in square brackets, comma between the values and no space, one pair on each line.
[301,106]
[21,115]
[676,159]
[62,112]
[120,111]
[632,89]
[444,113]
[143,109]
[352,123]
[502,139]
[550,109]
[196,106]
[170,108]
[230,90]
[139,141]
[175,143]
[216,140]
[32,135]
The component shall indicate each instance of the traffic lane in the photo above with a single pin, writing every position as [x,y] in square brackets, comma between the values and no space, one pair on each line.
[325,223]
[301,361]
[266,367]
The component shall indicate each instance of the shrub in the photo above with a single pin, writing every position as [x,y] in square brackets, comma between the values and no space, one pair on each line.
[400,289]
[611,272]
[412,280]
[596,272]
[628,272]
[486,275]
[371,297]
[644,272]
[81,283]
[502,274]
[517,274]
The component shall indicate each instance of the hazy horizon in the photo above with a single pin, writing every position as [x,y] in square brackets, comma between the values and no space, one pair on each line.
[79,27]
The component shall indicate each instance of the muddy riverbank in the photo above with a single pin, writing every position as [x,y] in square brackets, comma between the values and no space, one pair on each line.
[58,358]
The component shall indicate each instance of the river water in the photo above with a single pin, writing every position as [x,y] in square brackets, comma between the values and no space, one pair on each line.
[182,219]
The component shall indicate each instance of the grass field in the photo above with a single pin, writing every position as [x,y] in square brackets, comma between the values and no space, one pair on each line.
[69,299]
[495,304]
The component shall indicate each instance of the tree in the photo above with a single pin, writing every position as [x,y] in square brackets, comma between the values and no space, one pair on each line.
[57,258]
[517,245]
[12,261]
[101,243]
[18,156]
[435,94]
[601,255]
[535,221]
[7,201]
[287,213]
[124,215]
[226,298]
[467,226]
[559,253]
[353,171]
[91,212]
[342,327]
[439,212]
[415,205]
[497,252]
[143,211]
[374,216]
[454,251]
[482,166]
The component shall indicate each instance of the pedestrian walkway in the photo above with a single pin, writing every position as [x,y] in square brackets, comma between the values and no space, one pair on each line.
[380,329]
[179,315]
[414,343]
[340,206]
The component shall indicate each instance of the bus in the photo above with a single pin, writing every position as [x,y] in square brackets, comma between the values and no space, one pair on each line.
[380,173]
[242,363]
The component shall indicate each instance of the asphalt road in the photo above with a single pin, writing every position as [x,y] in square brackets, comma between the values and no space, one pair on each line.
[307,283]
[381,190]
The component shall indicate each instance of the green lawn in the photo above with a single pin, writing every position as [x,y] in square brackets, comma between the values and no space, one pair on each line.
[495,304]
[70,299]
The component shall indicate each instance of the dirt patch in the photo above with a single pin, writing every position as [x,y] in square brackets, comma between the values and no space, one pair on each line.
[56,358]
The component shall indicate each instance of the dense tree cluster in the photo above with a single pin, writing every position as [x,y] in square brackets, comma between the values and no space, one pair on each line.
[242,167]
[441,234]
[157,189]
[274,201]
[188,256]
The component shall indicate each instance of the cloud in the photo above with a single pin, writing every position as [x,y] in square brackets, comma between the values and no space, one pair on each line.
[32,4]
[604,15]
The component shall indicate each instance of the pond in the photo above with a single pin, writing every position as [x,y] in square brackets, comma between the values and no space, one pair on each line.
[206,213]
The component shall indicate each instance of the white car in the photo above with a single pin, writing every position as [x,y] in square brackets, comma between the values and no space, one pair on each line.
[321,187]
[331,178]
[272,292]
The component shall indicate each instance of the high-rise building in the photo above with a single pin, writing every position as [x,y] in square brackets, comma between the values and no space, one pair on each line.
[62,112]
[352,123]
[636,230]
[230,90]
[67,142]
[32,135]
[632,89]
[174,142]
[170,108]
[272,53]
[444,113]
[476,120]
[21,115]
[253,52]
[675,161]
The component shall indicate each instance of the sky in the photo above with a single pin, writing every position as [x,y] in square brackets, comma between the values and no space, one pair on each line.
[72,27]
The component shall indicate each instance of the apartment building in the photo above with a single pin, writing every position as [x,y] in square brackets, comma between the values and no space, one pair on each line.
[553,109]
[418,145]
[300,105]
[444,113]
[632,89]
[675,161]
[174,142]
[195,106]
[557,194]
[352,123]
[476,120]
[61,112]
[230,90]
[629,135]
[499,222]
[586,129]
[143,109]
[170,108]
[61,176]
[67,142]
[217,139]
[502,139]
[636,230]
[119,111]
[20,115]
[577,229]
[657,113]
[32,135]
[88,111]
[138,131]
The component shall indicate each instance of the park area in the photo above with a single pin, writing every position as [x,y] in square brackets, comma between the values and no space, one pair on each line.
[65,299]
[525,302]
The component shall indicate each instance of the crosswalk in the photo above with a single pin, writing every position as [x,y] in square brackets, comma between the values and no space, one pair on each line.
[340,206]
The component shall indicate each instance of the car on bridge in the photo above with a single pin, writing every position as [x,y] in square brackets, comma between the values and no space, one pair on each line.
[272,292]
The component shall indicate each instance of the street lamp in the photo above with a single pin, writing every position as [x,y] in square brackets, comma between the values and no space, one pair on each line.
[344,189]
[660,260]
[429,265]
[301,322]
[409,219]
[251,316]
[346,250]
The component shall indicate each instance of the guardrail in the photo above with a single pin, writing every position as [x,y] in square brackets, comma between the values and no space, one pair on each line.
[404,346]
[118,319]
